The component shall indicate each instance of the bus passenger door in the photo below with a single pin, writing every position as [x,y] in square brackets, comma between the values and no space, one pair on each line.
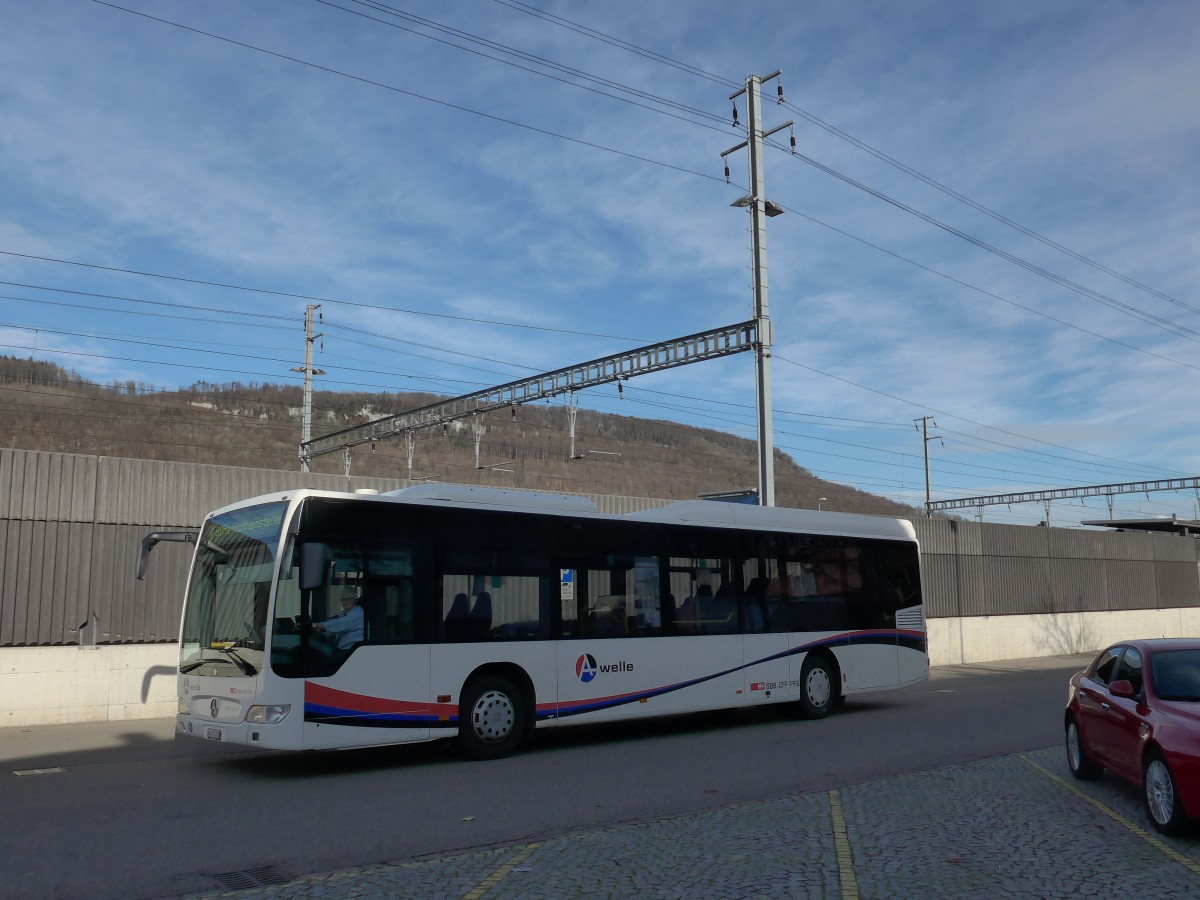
[766,654]
[768,668]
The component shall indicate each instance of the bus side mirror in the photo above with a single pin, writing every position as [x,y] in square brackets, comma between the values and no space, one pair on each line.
[313,558]
[155,537]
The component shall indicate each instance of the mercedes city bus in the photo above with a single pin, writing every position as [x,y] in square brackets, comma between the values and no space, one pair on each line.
[486,613]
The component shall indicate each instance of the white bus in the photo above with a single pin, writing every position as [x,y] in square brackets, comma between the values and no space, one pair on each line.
[487,613]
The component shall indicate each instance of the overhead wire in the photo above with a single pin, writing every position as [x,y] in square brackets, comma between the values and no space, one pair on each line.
[616,42]
[854,141]
[1175,328]
[413,94]
[285,294]
[664,104]
[987,293]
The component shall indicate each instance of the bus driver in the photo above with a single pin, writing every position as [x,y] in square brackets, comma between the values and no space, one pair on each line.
[346,628]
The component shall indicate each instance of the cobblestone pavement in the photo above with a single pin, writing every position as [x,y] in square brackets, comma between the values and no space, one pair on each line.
[1012,826]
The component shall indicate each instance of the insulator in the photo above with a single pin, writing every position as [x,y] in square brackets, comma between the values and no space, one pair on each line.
[793,131]
[620,390]
[735,118]
[727,171]
[779,91]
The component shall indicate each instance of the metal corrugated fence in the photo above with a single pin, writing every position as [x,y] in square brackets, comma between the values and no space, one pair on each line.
[70,527]
[974,569]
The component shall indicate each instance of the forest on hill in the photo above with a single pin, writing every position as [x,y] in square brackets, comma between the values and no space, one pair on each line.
[45,407]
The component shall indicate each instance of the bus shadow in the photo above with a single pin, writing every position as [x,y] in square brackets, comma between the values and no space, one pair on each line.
[687,725]
[317,764]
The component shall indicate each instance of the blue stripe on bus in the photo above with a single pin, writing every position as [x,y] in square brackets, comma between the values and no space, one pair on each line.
[328,715]
[365,721]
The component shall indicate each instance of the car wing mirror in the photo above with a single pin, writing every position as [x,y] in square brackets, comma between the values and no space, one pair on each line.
[1122,688]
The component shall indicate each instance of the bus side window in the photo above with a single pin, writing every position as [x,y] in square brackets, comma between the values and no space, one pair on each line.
[621,596]
[479,607]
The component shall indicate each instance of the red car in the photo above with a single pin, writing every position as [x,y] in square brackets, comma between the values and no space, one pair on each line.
[1136,712]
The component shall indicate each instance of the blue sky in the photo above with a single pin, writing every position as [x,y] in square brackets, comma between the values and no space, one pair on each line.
[468,217]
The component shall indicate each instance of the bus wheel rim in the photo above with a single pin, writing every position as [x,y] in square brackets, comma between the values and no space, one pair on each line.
[818,687]
[493,716]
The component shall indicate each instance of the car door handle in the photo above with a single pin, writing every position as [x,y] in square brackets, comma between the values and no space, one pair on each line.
[1105,705]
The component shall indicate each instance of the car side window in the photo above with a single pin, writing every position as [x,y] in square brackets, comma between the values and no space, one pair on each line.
[1106,665]
[1131,669]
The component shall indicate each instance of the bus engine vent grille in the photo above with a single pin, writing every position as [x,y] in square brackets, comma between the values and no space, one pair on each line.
[252,878]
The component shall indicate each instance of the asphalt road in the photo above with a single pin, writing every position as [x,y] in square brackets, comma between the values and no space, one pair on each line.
[135,812]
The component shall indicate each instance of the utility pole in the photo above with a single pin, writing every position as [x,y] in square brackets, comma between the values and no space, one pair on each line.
[572,412]
[760,209]
[925,420]
[309,372]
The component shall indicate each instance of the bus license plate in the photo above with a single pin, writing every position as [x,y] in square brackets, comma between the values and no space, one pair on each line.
[213,734]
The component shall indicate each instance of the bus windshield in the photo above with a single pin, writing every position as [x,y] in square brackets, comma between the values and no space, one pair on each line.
[225,611]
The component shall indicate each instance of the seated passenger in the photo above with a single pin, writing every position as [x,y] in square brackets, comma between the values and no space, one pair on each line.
[347,628]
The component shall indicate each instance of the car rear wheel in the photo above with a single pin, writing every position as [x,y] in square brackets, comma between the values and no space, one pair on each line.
[1081,765]
[1162,800]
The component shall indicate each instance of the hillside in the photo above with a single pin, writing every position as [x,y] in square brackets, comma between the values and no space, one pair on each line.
[43,407]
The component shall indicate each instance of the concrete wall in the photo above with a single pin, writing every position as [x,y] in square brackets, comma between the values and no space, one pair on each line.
[988,638]
[60,685]
[57,685]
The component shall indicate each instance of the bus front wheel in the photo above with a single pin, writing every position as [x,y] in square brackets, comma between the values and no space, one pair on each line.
[492,718]
[818,687]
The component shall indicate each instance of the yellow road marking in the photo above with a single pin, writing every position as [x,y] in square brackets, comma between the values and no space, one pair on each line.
[501,873]
[1149,838]
[841,845]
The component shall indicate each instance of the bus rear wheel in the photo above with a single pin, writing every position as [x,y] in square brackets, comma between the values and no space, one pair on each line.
[493,718]
[818,687]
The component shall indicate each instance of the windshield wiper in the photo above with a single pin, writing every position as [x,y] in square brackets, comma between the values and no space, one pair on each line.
[247,668]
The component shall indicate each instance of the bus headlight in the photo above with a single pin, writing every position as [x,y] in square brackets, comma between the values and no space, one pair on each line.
[181,706]
[268,715]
